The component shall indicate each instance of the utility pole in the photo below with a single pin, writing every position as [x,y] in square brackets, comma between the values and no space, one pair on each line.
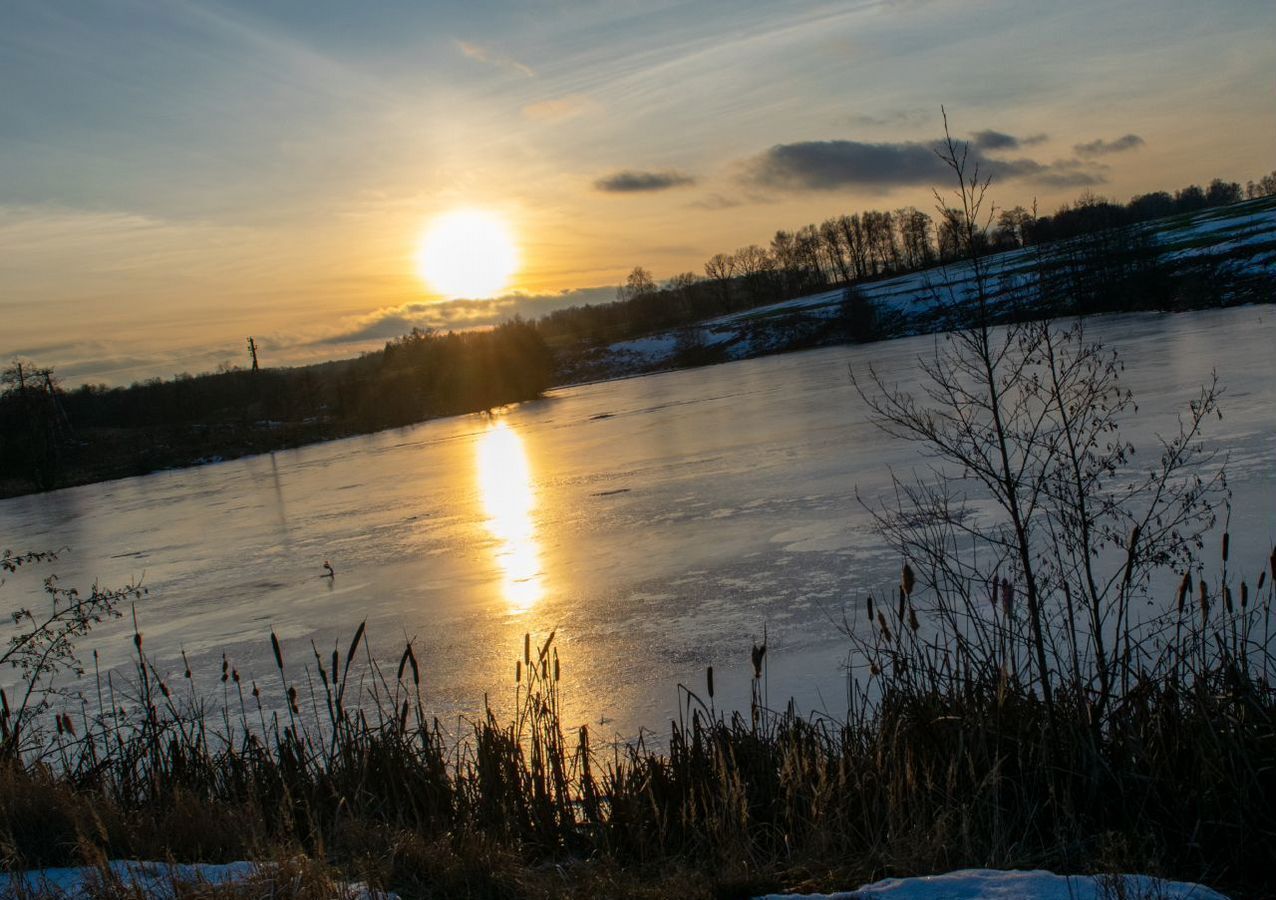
[252,350]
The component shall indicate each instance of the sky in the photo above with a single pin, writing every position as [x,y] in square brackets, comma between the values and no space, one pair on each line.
[176,175]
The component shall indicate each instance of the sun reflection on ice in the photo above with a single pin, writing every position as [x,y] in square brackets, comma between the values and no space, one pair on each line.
[509,498]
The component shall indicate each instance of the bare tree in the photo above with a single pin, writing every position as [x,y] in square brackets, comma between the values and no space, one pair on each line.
[1027,415]
[638,284]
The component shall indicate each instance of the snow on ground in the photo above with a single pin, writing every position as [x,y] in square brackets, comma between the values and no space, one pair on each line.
[655,347]
[157,879]
[1217,232]
[151,879]
[993,884]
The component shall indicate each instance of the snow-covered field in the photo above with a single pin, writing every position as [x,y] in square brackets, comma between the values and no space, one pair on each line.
[158,880]
[1244,234]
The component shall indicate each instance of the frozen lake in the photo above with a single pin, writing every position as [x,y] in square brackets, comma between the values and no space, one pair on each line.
[658,523]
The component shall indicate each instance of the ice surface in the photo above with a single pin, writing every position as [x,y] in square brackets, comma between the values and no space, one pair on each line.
[673,517]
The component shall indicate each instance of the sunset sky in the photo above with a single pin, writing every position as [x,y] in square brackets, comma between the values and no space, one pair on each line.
[177,175]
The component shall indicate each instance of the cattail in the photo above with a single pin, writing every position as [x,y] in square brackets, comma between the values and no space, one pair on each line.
[903,602]
[518,671]
[1227,539]
[225,669]
[336,661]
[1007,596]
[906,580]
[556,665]
[1129,554]
[416,673]
[4,703]
[886,631]
[292,700]
[874,669]
[912,620]
[58,719]
[757,654]
[1244,595]
[68,724]
[1204,598]
[234,674]
[256,692]
[354,645]
[403,716]
[545,668]
[708,677]
[186,662]
[527,648]
[274,645]
[868,605]
[1185,588]
[403,663]
[1262,577]
[1227,598]
[1273,562]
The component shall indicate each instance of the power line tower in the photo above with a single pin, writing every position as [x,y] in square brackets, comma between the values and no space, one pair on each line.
[252,351]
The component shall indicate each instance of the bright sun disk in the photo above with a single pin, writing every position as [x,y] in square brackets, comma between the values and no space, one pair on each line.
[467,253]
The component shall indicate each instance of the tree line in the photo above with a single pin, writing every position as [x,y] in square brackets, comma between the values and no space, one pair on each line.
[50,436]
[853,248]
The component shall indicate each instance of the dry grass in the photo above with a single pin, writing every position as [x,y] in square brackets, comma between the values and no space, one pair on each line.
[947,759]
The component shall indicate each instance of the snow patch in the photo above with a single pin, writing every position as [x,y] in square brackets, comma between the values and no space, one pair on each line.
[150,879]
[993,884]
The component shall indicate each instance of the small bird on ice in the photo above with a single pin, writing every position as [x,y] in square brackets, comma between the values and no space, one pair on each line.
[328,569]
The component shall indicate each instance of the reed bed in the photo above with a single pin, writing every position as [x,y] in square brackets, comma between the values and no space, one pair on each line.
[948,757]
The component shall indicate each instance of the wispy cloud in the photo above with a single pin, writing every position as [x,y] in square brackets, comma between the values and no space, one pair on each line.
[390,322]
[1101,147]
[892,118]
[492,58]
[559,109]
[633,182]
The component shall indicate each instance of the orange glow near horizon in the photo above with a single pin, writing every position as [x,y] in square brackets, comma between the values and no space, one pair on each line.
[509,499]
[468,253]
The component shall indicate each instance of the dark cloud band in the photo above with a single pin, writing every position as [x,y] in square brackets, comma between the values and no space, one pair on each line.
[835,165]
[631,182]
[1101,147]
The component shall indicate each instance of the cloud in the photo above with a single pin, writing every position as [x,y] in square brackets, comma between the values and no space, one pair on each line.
[892,118]
[838,165]
[390,322]
[718,201]
[484,55]
[995,140]
[1101,147]
[998,140]
[631,182]
[559,109]
[829,165]
[1060,173]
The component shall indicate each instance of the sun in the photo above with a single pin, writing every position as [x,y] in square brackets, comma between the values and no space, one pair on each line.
[468,253]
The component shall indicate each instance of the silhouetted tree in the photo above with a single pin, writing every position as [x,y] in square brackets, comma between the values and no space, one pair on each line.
[1222,193]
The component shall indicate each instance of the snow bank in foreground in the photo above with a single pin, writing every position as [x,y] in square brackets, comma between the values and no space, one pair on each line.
[151,879]
[157,880]
[992,884]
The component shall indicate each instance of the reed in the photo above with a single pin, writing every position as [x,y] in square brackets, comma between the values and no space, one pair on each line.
[947,757]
